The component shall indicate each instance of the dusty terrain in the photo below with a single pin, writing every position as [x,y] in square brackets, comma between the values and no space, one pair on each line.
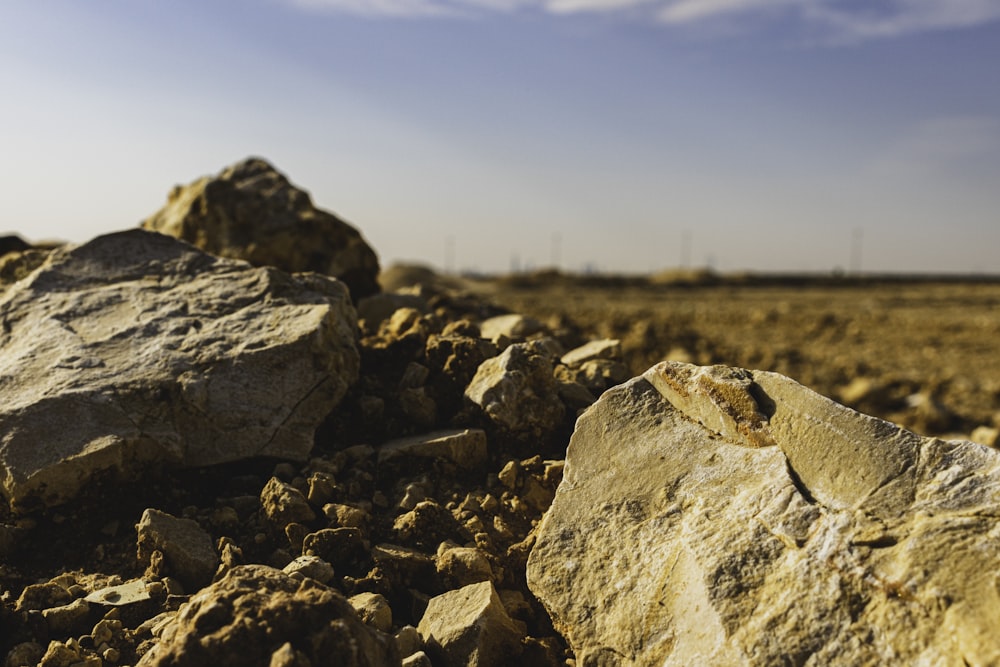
[922,353]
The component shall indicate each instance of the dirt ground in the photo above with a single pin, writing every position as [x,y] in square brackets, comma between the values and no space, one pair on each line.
[925,354]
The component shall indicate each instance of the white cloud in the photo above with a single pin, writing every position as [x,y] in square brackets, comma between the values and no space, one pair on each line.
[838,20]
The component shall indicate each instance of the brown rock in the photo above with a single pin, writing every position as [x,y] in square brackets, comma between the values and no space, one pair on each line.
[251,211]
[253,612]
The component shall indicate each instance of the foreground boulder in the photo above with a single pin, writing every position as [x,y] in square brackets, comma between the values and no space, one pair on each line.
[251,211]
[139,349]
[727,517]
[256,615]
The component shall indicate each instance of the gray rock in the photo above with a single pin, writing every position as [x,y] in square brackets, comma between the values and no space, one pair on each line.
[517,391]
[136,349]
[187,548]
[728,517]
[466,448]
[469,626]
[246,617]
[251,211]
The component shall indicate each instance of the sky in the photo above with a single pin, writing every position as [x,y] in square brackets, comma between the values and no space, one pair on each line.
[624,136]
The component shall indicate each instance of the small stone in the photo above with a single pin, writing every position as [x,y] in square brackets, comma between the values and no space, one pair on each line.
[26,654]
[418,659]
[512,327]
[42,596]
[461,566]
[312,567]
[186,547]
[408,640]
[986,435]
[518,392]
[509,474]
[412,494]
[334,545]
[373,609]
[607,348]
[466,448]
[345,516]
[282,504]
[67,619]
[469,626]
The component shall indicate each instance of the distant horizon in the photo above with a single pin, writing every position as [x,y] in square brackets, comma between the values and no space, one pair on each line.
[644,135]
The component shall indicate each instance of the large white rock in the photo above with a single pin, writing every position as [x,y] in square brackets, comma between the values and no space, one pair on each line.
[728,517]
[137,348]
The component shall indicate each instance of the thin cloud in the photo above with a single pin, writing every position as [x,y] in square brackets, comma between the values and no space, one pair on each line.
[838,20]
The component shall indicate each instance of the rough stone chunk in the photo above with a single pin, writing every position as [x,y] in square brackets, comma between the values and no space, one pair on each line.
[730,517]
[251,211]
[243,619]
[136,349]
[470,626]
[466,448]
[606,348]
[186,547]
[517,391]
[461,566]
[283,504]
[311,566]
[373,609]
[513,327]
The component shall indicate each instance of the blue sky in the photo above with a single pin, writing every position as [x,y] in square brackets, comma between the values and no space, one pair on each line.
[769,133]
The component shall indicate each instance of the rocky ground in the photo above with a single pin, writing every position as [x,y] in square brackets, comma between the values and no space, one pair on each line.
[401,532]
[919,352]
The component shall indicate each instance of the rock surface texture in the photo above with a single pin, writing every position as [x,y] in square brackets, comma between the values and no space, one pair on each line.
[137,348]
[251,211]
[256,615]
[712,515]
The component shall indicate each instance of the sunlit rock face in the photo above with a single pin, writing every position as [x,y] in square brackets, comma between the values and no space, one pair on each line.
[730,517]
[252,211]
[137,349]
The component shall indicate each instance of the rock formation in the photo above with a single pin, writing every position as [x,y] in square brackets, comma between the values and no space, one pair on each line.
[728,517]
[251,211]
[139,349]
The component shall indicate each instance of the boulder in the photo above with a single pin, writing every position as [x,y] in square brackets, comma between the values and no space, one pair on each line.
[137,349]
[251,211]
[517,391]
[257,616]
[469,626]
[728,517]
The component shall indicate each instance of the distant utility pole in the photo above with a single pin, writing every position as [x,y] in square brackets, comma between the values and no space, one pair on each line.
[555,257]
[685,248]
[857,244]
